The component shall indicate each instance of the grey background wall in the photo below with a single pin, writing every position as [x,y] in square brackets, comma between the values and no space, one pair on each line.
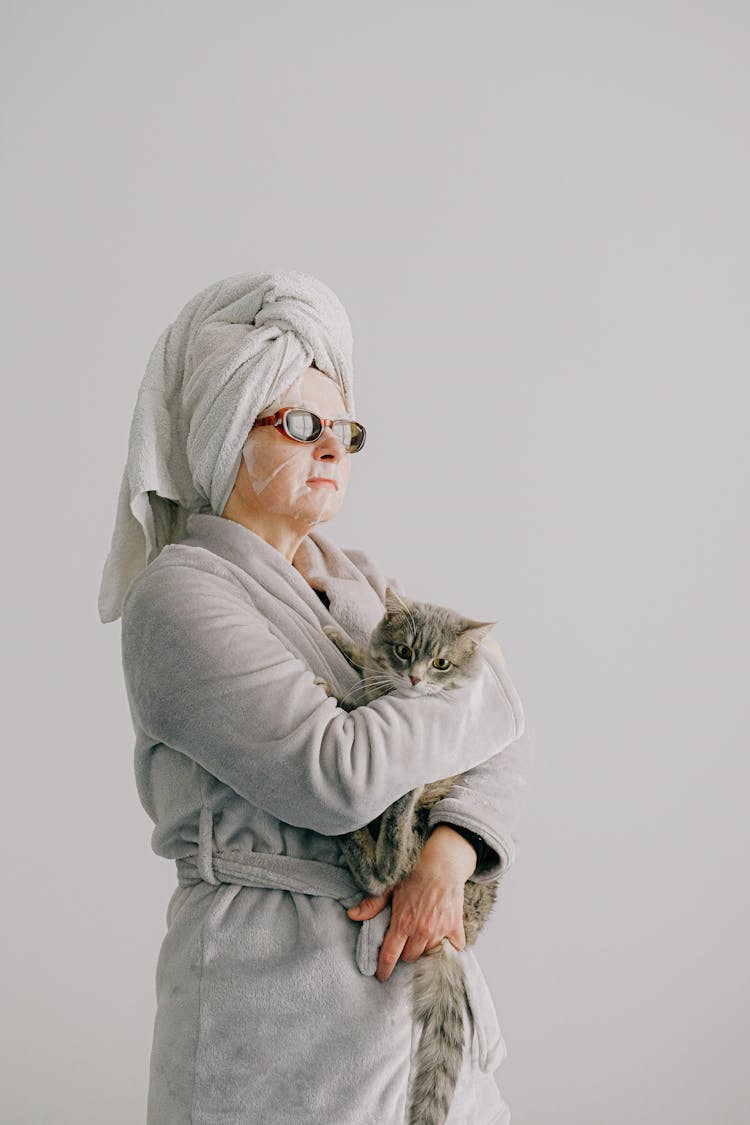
[536,216]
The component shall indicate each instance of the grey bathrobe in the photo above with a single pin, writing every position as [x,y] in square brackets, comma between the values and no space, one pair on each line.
[267,1007]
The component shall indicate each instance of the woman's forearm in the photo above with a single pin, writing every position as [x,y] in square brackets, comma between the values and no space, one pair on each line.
[446,850]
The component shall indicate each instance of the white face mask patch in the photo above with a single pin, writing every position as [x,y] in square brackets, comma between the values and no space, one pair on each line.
[327,470]
[288,486]
[288,478]
[260,482]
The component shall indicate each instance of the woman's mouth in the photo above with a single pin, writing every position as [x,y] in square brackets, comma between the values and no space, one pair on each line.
[323,480]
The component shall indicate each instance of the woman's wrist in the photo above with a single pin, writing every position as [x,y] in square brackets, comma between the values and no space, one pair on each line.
[446,849]
[476,841]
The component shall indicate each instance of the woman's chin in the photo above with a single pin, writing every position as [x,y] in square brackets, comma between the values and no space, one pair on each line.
[316,509]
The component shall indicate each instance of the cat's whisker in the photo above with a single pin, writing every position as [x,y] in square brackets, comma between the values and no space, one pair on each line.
[349,697]
[376,677]
[373,681]
[370,681]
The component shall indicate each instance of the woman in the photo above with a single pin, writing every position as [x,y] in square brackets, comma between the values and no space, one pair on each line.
[276,1001]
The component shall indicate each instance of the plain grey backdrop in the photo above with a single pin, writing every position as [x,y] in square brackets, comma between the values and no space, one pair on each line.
[536,216]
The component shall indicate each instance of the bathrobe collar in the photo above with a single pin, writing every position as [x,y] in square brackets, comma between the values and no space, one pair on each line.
[355,593]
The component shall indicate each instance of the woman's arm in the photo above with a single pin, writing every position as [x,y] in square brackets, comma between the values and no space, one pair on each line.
[207,676]
[428,904]
[489,800]
[500,785]
[475,841]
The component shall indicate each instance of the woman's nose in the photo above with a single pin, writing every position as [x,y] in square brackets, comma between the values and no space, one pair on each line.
[328,446]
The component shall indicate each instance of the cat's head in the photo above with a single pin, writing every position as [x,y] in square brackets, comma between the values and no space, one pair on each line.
[424,648]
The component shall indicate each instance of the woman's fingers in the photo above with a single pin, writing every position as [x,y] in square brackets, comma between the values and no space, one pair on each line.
[416,946]
[457,936]
[425,908]
[370,906]
[390,951]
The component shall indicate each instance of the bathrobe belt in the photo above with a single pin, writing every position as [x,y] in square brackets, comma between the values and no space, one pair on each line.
[290,873]
[313,877]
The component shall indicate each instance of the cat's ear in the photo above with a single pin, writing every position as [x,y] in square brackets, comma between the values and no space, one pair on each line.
[394,604]
[475,631]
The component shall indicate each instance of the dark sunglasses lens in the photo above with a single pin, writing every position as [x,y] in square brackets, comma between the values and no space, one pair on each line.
[350,434]
[302,425]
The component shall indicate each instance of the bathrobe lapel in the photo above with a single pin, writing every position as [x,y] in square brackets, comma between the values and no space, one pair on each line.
[284,592]
[354,603]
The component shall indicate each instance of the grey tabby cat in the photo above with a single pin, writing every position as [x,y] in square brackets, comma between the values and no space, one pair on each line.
[419,649]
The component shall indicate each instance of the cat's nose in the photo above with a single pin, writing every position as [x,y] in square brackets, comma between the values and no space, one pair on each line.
[415,679]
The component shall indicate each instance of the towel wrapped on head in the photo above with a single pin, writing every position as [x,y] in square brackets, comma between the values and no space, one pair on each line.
[234,348]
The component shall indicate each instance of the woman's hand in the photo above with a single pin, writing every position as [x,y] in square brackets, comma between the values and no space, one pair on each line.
[428,905]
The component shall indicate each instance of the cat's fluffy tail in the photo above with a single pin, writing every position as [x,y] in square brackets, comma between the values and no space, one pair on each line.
[439,1000]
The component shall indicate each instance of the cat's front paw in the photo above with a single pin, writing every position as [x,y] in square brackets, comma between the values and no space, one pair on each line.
[325,686]
[333,634]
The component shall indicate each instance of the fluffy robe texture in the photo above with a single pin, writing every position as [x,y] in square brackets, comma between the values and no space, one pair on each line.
[236,346]
[267,1009]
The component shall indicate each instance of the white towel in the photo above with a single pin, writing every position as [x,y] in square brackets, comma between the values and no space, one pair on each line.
[235,347]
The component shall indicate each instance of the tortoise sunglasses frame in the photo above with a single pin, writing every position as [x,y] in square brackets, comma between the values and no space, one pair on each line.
[279,421]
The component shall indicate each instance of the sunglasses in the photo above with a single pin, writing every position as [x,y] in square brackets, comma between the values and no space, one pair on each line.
[303,425]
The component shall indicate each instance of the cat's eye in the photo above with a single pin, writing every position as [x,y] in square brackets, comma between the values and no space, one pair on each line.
[402,651]
[441,664]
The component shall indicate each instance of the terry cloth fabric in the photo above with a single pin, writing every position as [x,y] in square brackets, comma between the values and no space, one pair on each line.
[249,772]
[235,347]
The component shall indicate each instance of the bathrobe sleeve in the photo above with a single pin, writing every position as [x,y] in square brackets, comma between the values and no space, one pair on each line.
[488,800]
[487,803]
[207,676]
